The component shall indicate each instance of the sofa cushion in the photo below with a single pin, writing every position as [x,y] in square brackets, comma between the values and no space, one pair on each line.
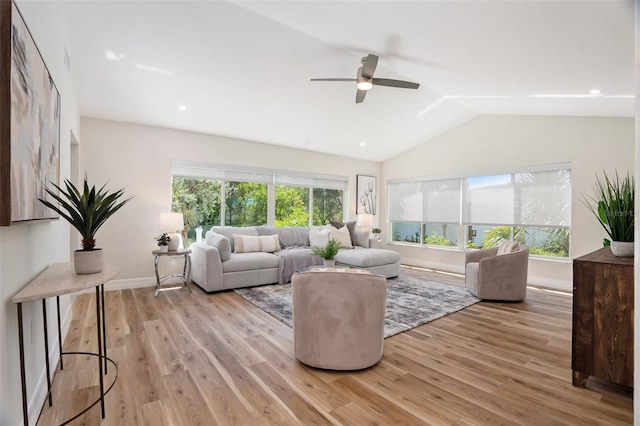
[250,243]
[250,261]
[228,231]
[351,226]
[362,238]
[342,235]
[290,236]
[318,237]
[367,257]
[220,242]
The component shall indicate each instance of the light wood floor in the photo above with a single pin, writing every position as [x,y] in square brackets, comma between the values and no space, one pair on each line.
[204,359]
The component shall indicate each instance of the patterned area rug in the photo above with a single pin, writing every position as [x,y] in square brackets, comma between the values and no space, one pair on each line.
[410,302]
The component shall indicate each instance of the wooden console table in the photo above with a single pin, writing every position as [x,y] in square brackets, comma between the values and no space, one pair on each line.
[602,337]
[57,280]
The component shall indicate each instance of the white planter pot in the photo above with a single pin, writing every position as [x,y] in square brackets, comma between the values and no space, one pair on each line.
[329,263]
[622,249]
[163,248]
[88,261]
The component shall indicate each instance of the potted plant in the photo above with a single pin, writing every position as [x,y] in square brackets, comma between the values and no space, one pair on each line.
[328,253]
[376,233]
[163,241]
[87,211]
[613,206]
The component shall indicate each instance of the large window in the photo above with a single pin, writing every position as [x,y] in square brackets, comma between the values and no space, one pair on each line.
[210,196]
[482,211]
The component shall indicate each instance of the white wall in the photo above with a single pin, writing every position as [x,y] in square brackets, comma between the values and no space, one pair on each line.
[27,249]
[493,144]
[139,158]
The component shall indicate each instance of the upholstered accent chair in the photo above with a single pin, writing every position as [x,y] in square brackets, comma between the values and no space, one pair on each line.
[498,273]
[338,319]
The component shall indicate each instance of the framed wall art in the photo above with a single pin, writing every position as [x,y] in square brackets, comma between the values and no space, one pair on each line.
[29,123]
[366,193]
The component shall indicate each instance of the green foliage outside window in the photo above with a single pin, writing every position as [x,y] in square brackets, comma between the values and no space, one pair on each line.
[246,204]
[437,240]
[292,206]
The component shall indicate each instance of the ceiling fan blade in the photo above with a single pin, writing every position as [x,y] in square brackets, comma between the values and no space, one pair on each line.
[360,94]
[394,83]
[333,79]
[369,65]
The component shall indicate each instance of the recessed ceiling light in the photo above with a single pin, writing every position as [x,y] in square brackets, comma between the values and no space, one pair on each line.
[112,56]
[595,91]
[182,108]
[362,144]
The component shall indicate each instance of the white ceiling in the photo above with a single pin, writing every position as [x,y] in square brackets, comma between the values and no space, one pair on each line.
[243,68]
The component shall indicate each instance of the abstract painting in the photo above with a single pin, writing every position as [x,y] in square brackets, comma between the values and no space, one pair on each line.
[34,123]
[367,196]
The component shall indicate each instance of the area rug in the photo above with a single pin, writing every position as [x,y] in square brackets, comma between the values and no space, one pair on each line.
[410,302]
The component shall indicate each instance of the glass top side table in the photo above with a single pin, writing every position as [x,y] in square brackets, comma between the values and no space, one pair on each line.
[186,271]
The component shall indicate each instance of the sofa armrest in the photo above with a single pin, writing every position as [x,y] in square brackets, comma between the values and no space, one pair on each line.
[206,267]
[478,255]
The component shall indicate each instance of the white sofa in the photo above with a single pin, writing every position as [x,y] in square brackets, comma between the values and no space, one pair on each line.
[217,266]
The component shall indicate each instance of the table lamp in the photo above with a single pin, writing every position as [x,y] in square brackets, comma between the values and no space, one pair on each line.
[170,223]
[365,221]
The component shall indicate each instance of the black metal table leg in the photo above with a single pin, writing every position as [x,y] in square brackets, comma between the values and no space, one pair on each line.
[25,407]
[46,349]
[100,354]
[104,330]
[59,333]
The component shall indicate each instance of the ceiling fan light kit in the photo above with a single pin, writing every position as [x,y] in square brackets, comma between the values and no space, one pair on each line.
[365,81]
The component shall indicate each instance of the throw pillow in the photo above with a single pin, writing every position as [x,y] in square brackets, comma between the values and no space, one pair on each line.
[362,238]
[351,226]
[220,242]
[249,243]
[342,235]
[318,237]
[508,247]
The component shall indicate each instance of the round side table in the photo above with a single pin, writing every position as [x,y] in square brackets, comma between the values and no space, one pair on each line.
[186,271]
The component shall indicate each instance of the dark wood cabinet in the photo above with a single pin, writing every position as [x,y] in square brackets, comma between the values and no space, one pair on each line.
[602,333]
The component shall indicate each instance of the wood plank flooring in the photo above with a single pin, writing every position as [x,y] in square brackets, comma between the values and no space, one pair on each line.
[200,359]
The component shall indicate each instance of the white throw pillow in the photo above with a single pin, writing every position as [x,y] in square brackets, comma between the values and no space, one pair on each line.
[250,243]
[342,235]
[508,247]
[318,237]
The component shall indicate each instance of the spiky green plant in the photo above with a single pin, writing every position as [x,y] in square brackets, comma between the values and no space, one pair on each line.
[613,205]
[86,211]
[330,250]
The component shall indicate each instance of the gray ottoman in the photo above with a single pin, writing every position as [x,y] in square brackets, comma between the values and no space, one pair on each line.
[377,261]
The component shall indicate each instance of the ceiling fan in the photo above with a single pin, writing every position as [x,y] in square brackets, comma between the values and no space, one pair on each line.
[366,80]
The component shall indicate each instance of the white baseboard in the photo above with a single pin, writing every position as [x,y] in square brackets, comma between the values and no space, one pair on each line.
[129,283]
[550,283]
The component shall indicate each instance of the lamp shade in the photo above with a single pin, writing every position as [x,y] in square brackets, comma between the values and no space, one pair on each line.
[365,221]
[171,222]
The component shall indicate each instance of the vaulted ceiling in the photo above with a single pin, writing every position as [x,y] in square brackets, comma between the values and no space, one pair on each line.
[242,69]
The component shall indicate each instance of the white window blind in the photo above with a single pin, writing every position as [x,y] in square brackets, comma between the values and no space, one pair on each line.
[193,169]
[441,201]
[405,202]
[489,200]
[543,198]
[534,199]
